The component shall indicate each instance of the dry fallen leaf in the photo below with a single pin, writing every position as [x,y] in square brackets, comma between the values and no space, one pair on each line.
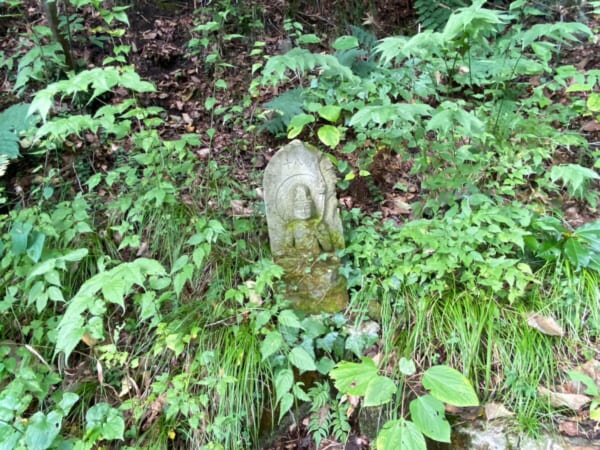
[568,427]
[544,324]
[590,126]
[560,400]
[239,208]
[496,411]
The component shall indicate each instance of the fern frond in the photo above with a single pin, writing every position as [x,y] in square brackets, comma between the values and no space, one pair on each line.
[283,107]
[434,15]
[12,121]
[300,61]
[365,38]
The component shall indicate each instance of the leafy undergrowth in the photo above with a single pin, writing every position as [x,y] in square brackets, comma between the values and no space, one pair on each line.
[138,296]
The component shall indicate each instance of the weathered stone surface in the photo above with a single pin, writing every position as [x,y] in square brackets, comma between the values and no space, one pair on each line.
[305,228]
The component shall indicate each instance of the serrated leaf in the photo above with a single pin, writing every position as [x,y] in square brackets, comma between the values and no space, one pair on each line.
[284,379]
[301,359]
[288,318]
[55,294]
[114,290]
[400,435]
[353,378]
[590,232]
[329,135]
[379,391]
[105,422]
[286,402]
[577,254]
[325,365]
[271,344]
[449,386]
[429,416]
[75,255]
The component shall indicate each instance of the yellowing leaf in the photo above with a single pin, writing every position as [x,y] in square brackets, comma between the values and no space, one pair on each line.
[329,135]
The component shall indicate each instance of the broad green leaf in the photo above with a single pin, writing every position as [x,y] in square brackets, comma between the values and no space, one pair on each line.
[70,331]
[593,102]
[590,232]
[400,435]
[429,416]
[104,422]
[301,359]
[595,410]
[297,124]
[407,366]
[75,255]
[398,114]
[325,365]
[449,386]
[313,327]
[179,263]
[345,43]
[353,378]
[19,235]
[309,39]
[573,176]
[329,135]
[271,344]
[330,113]
[42,429]
[577,254]
[114,290]
[67,401]
[591,387]
[286,402]
[55,294]
[284,379]
[379,391]
[288,318]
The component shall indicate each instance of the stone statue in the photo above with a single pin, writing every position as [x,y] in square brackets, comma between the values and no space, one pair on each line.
[305,228]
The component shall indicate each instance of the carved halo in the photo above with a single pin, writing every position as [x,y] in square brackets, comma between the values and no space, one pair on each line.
[286,189]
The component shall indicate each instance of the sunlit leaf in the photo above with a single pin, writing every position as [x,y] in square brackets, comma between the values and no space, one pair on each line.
[400,434]
[379,391]
[449,386]
[354,378]
[429,416]
[345,43]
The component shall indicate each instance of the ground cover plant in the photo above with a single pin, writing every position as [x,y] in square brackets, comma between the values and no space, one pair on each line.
[137,300]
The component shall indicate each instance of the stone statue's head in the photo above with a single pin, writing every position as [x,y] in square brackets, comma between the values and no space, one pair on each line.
[302,203]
